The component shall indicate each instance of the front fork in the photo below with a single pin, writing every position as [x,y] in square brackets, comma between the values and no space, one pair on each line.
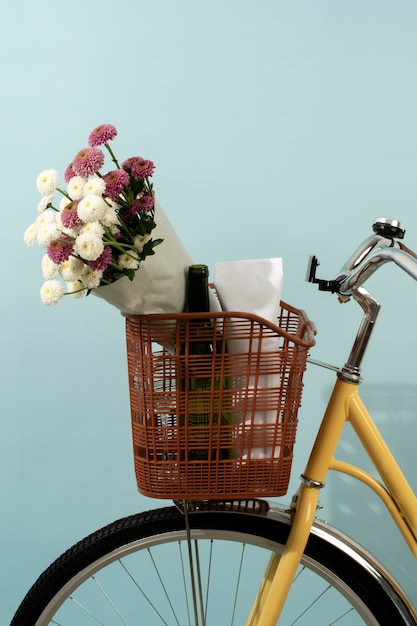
[282,568]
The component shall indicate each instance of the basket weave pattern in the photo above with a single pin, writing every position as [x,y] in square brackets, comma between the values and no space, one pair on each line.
[251,420]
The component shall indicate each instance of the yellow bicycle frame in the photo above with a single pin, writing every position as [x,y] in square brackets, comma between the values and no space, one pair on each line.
[344,406]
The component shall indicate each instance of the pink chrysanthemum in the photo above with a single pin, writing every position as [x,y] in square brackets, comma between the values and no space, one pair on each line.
[144,203]
[103,260]
[115,181]
[88,161]
[69,173]
[101,135]
[59,250]
[142,168]
[129,162]
[139,167]
[69,215]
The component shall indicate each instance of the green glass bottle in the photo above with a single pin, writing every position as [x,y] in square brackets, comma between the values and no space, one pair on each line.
[201,353]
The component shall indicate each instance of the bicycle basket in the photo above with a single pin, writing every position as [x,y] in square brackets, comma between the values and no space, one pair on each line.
[242,444]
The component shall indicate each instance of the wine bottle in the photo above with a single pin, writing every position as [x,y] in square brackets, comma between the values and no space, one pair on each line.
[201,353]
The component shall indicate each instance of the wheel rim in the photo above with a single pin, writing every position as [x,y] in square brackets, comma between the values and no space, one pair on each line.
[149,584]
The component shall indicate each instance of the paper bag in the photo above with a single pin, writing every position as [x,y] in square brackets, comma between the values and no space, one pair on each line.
[252,286]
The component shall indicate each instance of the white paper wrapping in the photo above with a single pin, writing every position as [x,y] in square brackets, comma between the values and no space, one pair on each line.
[252,286]
[159,285]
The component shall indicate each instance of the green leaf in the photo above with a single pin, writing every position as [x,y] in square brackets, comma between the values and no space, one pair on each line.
[130,274]
[147,249]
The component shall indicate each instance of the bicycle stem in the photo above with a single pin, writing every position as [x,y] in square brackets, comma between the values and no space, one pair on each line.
[351,370]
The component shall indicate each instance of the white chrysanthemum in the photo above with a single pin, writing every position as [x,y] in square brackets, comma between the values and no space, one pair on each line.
[94,186]
[91,208]
[76,187]
[75,289]
[113,203]
[49,268]
[44,202]
[71,269]
[94,228]
[64,202]
[110,216]
[31,235]
[47,182]
[51,292]
[58,221]
[47,233]
[91,278]
[140,240]
[114,230]
[89,246]
[47,217]
[71,232]
[128,261]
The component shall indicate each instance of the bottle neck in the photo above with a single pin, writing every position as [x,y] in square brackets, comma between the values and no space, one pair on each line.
[198,298]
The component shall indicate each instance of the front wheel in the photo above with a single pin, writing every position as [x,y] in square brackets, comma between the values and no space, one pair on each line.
[136,572]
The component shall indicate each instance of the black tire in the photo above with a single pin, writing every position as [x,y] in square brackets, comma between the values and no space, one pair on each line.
[368,591]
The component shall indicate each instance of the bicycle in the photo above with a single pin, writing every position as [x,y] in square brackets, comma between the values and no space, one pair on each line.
[160,566]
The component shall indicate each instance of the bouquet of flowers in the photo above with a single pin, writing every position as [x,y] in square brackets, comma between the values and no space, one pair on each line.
[102,229]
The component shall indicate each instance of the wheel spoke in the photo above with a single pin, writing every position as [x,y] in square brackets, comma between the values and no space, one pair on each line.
[307,609]
[345,614]
[106,595]
[242,554]
[206,604]
[184,580]
[144,595]
[158,572]
[89,613]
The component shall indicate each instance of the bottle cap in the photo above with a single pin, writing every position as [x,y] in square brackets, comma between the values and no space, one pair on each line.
[198,269]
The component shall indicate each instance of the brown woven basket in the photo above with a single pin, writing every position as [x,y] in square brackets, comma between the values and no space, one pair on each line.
[245,448]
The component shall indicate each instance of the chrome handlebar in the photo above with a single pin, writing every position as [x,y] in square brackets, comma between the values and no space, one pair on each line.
[375,251]
[383,246]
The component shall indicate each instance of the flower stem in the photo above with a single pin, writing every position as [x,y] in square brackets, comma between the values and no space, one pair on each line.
[64,193]
[113,157]
[121,247]
[70,293]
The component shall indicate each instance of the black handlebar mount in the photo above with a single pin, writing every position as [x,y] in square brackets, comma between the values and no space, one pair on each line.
[386,231]
[324,285]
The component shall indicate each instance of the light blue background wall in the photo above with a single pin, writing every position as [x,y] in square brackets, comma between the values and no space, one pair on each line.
[278,129]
